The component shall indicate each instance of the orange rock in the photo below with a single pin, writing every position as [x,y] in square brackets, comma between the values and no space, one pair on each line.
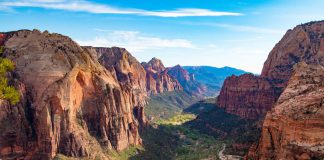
[158,80]
[293,129]
[247,96]
[70,104]
[252,96]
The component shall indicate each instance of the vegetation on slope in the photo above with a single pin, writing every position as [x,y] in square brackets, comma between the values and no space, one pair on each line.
[237,133]
[196,132]
[170,139]
[6,91]
[167,105]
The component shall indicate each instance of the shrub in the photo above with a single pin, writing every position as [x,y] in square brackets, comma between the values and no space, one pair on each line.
[11,94]
[1,49]
[7,92]
[6,65]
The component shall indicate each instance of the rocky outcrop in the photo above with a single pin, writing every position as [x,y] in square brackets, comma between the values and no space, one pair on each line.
[158,79]
[187,81]
[294,128]
[129,72]
[247,96]
[154,65]
[70,103]
[303,43]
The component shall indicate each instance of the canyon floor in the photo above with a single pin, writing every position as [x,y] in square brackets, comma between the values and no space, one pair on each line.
[178,132]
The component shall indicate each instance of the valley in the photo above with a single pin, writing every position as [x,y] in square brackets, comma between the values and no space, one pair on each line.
[68,101]
[194,136]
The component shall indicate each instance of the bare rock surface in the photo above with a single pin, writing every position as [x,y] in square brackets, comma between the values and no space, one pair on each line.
[70,103]
[158,80]
[294,128]
[187,81]
[247,96]
[305,43]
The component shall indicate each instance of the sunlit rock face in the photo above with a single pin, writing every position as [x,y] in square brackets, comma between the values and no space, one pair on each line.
[252,96]
[294,128]
[303,43]
[158,79]
[71,104]
[187,81]
[247,96]
[129,73]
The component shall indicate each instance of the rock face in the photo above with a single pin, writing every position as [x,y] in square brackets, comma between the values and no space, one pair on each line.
[154,65]
[70,103]
[303,43]
[294,128]
[247,96]
[129,72]
[187,81]
[158,79]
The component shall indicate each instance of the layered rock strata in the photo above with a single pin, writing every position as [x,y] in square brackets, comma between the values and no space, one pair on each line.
[70,103]
[305,43]
[294,128]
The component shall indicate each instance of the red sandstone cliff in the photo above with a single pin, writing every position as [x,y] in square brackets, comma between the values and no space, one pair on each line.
[294,128]
[77,101]
[303,43]
[187,81]
[158,79]
[70,103]
[248,96]
[129,72]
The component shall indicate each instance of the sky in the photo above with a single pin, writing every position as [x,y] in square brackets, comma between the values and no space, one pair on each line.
[235,33]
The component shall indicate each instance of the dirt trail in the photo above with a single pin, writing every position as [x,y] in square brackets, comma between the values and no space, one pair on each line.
[222,156]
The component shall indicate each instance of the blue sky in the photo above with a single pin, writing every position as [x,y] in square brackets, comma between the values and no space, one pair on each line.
[236,33]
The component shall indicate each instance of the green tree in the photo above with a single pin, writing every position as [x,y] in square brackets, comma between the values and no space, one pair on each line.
[7,92]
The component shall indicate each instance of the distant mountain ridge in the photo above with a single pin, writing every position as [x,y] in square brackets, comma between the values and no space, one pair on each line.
[212,77]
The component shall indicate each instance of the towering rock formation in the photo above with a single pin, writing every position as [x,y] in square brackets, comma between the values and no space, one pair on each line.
[154,65]
[303,43]
[158,79]
[77,101]
[248,96]
[129,72]
[294,128]
[187,81]
[70,103]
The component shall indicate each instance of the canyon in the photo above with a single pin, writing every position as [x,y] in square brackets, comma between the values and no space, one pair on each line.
[251,96]
[287,93]
[84,101]
[75,100]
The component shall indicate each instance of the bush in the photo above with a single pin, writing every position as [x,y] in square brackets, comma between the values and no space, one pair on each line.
[6,65]
[11,94]
[7,92]
[1,49]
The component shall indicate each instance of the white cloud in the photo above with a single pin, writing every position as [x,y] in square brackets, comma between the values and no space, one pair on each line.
[135,41]
[90,7]
[240,28]
[6,9]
